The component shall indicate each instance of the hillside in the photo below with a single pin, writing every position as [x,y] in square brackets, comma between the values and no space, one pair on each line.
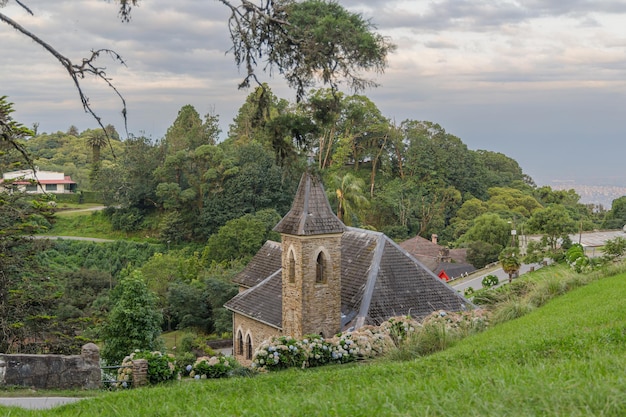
[565,358]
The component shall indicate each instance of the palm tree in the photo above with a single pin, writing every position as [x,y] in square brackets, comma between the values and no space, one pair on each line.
[96,140]
[510,260]
[348,190]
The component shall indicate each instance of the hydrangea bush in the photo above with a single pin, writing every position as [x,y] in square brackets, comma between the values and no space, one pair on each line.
[212,367]
[364,343]
[161,367]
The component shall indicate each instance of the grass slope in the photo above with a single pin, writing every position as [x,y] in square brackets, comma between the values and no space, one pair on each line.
[567,358]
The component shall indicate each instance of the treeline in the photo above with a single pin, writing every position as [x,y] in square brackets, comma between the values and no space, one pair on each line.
[406,179]
[212,203]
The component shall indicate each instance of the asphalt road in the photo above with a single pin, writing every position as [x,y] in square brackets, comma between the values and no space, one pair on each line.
[37,403]
[476,281]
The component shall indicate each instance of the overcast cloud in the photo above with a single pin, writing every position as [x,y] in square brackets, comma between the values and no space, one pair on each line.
[542,81]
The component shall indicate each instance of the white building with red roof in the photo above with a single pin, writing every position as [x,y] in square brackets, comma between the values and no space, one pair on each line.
[39,182]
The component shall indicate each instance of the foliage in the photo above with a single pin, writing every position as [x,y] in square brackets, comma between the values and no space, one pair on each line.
[576,257]
[27,296]
[161,368]
[616,217]
[213,367]
[553,222]
[481,254]
[134,322]
[533,361]
[510,261]
[614,248]
[189,307]
[490,281]
[489,228]
[306,41]
[238,238]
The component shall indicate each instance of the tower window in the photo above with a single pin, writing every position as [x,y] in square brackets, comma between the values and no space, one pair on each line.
[291,268]
[320,269]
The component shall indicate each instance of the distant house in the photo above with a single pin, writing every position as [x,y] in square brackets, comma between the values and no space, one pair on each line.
[324,278]
[444,262]
[38,182]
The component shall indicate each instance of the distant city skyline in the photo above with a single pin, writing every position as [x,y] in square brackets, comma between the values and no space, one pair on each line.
[543,82]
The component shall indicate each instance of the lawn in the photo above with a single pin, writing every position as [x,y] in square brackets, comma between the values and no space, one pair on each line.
[563,359]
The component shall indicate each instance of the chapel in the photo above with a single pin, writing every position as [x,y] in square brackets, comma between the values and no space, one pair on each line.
[324,278]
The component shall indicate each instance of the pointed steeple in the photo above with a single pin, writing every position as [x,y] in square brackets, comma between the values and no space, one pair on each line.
[310,212]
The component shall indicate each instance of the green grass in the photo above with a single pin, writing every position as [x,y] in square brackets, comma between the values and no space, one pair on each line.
[73,209]
[92,224]
[566,358]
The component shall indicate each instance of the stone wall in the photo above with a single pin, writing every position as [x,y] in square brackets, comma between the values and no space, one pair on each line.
[52,371]
[257,331]
[310,307]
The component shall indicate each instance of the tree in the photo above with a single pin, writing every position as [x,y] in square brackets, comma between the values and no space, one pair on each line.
[553,222]
[134,321]
[189,307]
[511,262]
[347,190]
[237,239]
[481,253]
[614,248]
[307,41]
[489,228]
[616,217]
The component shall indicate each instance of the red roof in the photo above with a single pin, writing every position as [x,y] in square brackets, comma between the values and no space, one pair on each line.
[66,180]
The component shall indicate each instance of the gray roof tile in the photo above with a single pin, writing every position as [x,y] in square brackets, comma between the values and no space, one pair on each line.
[379,280]
[310,212]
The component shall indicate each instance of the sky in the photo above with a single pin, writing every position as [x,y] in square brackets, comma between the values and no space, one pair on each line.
[542,81]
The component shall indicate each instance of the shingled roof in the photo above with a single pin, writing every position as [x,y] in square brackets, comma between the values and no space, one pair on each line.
[379,280]
[310,212]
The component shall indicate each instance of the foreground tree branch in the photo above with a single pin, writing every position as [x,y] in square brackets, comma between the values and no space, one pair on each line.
[76,71]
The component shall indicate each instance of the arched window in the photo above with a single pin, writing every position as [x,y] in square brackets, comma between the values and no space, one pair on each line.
[291,268]
[320,269]
[239,343]
[248,347]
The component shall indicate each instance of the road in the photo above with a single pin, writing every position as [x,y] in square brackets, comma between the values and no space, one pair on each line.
[37,403]
[475,281]
[90,239]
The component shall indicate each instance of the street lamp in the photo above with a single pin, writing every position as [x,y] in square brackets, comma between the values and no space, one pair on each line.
[513,232]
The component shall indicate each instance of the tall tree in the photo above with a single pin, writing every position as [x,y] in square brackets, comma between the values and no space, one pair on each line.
[307,41]
[134,321]
[348,191]
[553,222]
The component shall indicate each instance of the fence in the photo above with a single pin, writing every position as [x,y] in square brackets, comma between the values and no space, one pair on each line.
[139,375]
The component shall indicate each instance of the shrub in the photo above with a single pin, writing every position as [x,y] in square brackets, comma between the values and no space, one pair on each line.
[213,367]
[490,281]
[510,310]
[161,367]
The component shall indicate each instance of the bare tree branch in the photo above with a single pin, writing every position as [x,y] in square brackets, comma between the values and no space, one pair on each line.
[78,71]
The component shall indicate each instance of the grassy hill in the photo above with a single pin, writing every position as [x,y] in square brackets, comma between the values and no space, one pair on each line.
[564,359]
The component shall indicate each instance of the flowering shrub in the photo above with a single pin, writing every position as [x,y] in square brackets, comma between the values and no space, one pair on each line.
[280,352]
[364,343]
[284,352]
[161,367]
[212,367]
[399,328]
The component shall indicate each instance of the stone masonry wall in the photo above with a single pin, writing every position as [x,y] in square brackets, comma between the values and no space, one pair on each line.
[52,371]
[257,331]
[310,307]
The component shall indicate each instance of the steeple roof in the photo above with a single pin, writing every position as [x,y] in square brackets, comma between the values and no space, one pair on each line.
[310,212]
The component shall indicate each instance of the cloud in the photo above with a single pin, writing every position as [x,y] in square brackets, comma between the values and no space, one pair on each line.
[521,77]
